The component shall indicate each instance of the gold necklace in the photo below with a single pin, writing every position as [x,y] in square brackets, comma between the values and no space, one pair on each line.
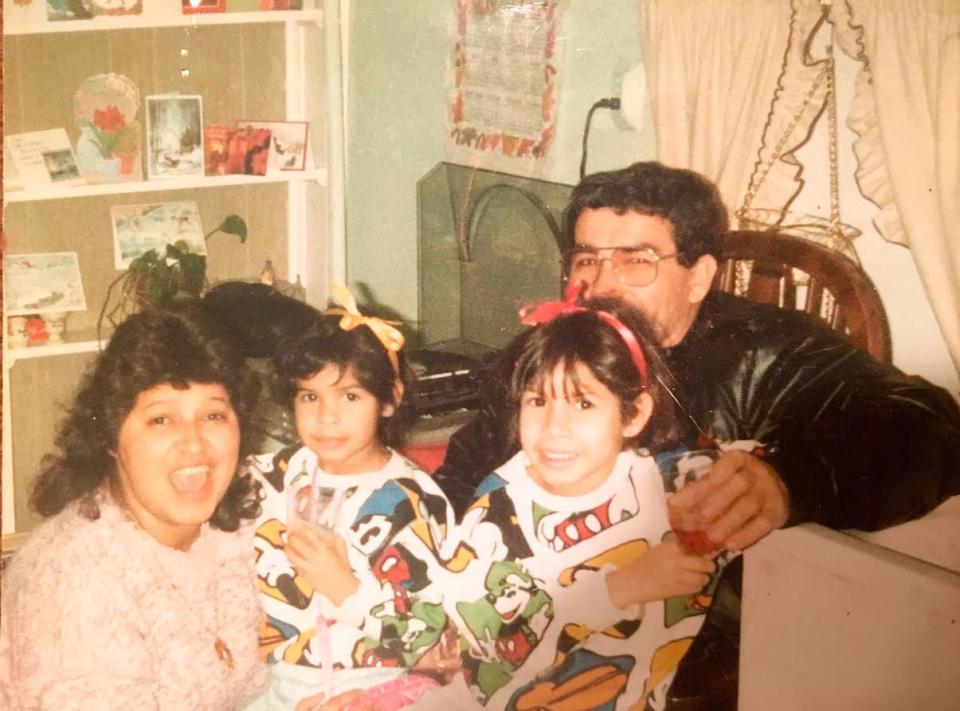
[220,648]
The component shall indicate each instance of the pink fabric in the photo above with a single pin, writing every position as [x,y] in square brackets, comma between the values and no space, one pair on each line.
[393,695]
[96,614]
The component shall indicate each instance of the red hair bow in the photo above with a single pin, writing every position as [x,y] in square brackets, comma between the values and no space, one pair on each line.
[547,311]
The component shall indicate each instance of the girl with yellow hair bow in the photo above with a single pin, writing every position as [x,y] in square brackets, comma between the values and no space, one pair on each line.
[349,527]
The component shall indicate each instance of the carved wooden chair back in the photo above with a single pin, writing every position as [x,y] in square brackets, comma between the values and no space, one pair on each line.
[794,273]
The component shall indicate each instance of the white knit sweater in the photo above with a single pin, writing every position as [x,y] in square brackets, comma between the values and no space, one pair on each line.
[99,615]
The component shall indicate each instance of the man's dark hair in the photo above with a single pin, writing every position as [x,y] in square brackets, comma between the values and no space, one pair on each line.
[152,348]
[685,199]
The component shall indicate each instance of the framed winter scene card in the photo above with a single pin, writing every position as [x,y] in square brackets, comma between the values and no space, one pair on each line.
[139,228]
[42,283]
[174,136]
[288,147]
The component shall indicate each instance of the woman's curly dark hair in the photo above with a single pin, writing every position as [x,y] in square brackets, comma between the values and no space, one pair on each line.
[156,347]
[583,337]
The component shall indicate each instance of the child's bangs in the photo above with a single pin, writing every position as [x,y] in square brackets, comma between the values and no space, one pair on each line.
[541,381]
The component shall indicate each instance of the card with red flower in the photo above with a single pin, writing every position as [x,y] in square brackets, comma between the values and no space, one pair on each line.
[105,109]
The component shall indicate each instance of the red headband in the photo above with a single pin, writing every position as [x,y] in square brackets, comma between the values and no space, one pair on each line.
[547,311]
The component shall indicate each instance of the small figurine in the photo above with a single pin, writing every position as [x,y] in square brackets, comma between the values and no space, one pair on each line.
[267,275]
[36,331]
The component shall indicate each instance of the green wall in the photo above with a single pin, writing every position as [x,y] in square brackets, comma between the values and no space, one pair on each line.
[397,99]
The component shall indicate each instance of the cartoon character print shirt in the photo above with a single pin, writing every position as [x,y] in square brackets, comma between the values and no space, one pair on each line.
[536,618]
[393,522]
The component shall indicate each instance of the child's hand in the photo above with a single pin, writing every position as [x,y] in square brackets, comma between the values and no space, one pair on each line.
[664,571]
[322,560]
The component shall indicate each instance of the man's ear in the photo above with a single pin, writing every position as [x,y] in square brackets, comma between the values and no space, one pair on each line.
[644,405]
[701,277]
[391,407]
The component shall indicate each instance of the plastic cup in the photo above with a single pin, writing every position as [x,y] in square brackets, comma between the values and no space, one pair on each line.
[689,523]
[314,507]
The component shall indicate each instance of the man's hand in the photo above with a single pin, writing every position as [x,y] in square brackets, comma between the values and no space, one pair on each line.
[742,496]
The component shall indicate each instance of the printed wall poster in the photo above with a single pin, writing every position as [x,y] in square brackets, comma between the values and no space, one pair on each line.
[504,76]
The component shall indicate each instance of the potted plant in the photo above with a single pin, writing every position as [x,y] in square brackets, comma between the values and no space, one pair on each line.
[159,280]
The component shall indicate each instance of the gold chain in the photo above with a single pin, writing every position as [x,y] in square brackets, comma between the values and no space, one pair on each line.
[832,145]
[756,180]
[220,648]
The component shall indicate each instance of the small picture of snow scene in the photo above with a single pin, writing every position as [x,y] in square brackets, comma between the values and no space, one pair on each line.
[139,228]
[42,283]
[174,136]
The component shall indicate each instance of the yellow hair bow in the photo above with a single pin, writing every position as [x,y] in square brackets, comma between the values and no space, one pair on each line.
[390,338]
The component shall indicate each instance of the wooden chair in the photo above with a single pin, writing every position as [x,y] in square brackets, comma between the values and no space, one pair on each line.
[795,273]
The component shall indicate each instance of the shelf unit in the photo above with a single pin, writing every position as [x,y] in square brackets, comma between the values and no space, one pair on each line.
[317,175]
[31,19]
[302,81]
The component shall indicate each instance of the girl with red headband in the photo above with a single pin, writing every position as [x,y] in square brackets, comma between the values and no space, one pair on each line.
[578,595]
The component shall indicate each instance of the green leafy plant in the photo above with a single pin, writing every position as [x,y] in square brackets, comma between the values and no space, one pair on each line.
[159,280]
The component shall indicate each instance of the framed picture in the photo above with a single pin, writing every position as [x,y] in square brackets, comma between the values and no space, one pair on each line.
[192,7]
[69,10]
[139,228]
[288,146]
[42,158]
[42,283]
[174,136]
[216,140]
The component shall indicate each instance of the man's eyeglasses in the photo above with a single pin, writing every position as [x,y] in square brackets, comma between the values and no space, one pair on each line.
[634,266]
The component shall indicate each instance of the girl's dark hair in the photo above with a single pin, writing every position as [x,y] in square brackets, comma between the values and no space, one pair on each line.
[325,343]
[177,347]
[583,337]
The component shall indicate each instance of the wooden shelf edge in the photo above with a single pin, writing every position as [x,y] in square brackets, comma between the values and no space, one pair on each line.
[141,22]
[318,175]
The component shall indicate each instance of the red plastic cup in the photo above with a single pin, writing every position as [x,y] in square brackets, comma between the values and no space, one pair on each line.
[689,523]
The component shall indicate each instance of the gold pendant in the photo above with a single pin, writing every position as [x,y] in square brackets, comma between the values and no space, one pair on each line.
[223,652]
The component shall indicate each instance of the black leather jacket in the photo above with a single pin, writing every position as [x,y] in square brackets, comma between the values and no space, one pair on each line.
[857,443]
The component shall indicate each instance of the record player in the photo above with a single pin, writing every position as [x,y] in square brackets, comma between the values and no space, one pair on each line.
[445,381]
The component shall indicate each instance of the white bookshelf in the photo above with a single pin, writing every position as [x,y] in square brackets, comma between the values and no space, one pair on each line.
[313,198]
[52,192]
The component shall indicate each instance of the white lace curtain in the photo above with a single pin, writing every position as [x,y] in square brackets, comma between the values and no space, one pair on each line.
[906,114]
[713,67]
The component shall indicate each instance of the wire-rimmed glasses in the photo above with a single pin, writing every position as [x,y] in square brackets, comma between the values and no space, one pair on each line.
[634,266]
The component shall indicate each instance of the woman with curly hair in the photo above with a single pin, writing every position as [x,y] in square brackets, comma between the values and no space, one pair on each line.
[138,591]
